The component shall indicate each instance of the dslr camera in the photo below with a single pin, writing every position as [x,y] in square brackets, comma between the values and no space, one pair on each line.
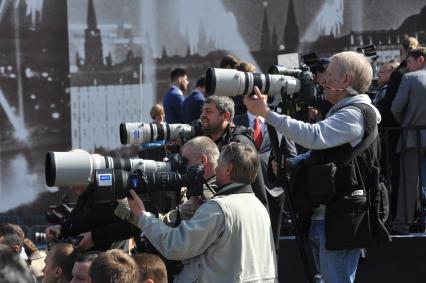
[77,168]
[113,184]
[56,214]
[281,81]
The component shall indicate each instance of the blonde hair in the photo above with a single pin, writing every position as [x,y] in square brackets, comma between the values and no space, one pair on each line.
[409,43]
[156,110]
[356,65]
[245,67]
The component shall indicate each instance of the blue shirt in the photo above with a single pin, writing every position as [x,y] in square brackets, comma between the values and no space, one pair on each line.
[192,106]
[172,104]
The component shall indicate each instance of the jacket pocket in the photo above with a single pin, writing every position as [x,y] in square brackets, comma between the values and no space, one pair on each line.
[347,223]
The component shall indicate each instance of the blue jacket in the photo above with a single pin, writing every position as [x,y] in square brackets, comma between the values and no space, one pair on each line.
[192,106]
[172,104]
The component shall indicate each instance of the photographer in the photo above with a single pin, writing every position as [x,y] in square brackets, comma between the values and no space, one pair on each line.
[229,238]
[199,150]
[216,122]
[344,138]
[95,222]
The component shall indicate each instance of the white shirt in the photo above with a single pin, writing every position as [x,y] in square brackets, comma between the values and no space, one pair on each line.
[252,119]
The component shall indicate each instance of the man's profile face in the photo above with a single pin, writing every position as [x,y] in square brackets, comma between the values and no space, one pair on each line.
[334,80]
[50,267]
[415,64]
[384,74]
[211,119]
[80,272]
[183,82]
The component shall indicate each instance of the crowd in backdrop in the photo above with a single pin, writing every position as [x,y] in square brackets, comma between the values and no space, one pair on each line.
[338,157]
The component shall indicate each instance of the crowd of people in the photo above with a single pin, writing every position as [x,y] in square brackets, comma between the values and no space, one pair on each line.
[229,232]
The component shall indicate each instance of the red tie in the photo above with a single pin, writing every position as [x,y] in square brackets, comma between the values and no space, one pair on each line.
[257,135]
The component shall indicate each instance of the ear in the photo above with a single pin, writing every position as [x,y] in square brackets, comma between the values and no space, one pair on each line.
[421,60]
[227,116]
[16,249]
[149,281]
[204,159]
[229,169]
[58,272]
[347,80]
[245,99]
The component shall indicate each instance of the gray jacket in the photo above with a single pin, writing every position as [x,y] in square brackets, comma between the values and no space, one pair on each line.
[409,107]
[229,239]
[339,127]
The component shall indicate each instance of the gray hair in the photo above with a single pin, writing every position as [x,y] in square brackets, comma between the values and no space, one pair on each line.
[204,145]
[244,160]
[356,65]
[223,104]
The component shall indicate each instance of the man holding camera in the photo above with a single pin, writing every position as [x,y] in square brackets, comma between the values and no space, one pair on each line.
[216,122]
[339,228]
[199,150]
[229,238]
[94,222]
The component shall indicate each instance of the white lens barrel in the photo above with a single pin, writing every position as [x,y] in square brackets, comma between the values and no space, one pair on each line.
[149,166]
[290,85]
[229,82]
[66,168]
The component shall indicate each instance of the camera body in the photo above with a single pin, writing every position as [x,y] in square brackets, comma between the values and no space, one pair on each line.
[370,52]
[113,184]
[58,213]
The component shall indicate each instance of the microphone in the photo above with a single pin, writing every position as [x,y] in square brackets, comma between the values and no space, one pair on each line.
[350,90]
[330,87]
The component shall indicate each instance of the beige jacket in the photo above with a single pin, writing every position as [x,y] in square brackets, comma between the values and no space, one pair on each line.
[229,239]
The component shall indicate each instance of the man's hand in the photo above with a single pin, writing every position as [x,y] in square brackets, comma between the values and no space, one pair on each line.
[53,232]
[86,243]
[257,104]
[136,204]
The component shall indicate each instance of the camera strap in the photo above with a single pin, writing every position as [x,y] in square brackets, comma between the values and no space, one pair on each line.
[206,183]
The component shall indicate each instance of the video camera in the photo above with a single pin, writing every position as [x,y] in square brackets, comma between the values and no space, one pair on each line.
[77,168]
[113,184]
[371,52]
[139,132]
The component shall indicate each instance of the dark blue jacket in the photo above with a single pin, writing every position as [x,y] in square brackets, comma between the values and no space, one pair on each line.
[172,104]
[192,106]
